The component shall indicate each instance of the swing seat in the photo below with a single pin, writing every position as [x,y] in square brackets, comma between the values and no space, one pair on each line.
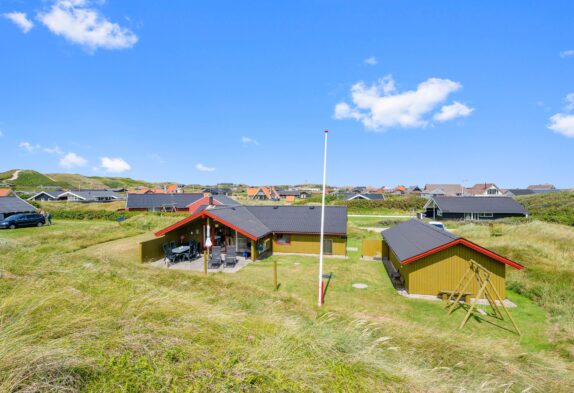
[447,294]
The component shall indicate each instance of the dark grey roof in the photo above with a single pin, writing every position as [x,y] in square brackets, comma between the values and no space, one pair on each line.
[374,196]
[289,192]
[302,219]
[11,205]
[180,201]
[51,194]
[93,195]
[472,204]
[241,217]
[520,191]
[414,237]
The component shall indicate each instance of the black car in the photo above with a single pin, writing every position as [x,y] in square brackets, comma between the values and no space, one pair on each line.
[23,220]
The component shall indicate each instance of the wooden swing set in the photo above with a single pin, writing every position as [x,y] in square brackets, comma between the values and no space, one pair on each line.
[485,288]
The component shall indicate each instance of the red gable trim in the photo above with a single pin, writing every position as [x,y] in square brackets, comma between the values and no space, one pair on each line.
[201,202]
[179,224]
[468,244]
[203,213]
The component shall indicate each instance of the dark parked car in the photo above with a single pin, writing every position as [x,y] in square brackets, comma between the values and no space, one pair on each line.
[23,220]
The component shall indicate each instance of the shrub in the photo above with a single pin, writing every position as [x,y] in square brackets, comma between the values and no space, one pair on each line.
[392,202]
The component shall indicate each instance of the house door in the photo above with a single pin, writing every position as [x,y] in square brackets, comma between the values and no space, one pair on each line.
[328,246]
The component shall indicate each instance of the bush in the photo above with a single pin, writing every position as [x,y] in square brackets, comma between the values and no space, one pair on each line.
[391,202]
[103,214]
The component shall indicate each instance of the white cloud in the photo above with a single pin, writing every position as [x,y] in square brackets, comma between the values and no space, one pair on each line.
[567,53]
[53,150]
[30,148]
[371,61]
[1,133]
[381,106]
[449,112]
[72,160]
[115,165]
[76,21]
[203,168]
[21,20]
[563,123]
[246,140]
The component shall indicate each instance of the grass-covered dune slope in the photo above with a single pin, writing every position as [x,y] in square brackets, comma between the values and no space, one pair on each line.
[552,207]
[79,313]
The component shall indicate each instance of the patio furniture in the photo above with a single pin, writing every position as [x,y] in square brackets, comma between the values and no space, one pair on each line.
[172,244]
[230,257]
[180,251]
[169,256]
[191,253]
[215,258]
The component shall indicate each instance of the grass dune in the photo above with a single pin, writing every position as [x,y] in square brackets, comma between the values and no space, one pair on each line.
[78,313]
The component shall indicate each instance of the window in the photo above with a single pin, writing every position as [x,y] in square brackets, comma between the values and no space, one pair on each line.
[283,238]
[486,215]
[492,191]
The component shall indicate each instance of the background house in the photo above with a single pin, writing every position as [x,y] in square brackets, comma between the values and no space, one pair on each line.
[432,190]
[174,202]
[365,196]
[473,208]
[263,193]
[88,196]
[483,189]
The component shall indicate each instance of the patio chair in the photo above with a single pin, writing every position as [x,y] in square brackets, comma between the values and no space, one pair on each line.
[169,256]
[215,258]
[173,244]
[191,253]
[230,257]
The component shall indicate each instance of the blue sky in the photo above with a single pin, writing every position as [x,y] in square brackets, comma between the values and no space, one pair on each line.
[412,92]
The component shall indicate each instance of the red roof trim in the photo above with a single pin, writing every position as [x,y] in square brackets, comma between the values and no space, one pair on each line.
[203,213]
[179,224]
[468,244]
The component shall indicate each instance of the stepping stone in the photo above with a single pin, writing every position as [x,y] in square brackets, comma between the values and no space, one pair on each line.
[360,286]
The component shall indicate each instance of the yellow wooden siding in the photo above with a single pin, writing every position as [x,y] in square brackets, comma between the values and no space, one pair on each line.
[444,269]
[371,248]
[400,267]
[309,244]
[385,249]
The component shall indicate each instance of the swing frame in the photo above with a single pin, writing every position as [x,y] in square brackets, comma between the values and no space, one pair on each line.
[482,276]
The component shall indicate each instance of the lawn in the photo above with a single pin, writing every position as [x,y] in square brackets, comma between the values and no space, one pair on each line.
[79,313]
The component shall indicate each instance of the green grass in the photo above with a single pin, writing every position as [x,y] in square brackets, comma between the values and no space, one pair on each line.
[78,313]
[28,179]
[555,207]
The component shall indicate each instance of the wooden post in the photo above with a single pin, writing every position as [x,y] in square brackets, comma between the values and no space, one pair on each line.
[469,313]
[505,309]
[205,261]
[453,305]
[275,275]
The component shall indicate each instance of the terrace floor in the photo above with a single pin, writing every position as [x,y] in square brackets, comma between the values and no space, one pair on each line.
[197,265]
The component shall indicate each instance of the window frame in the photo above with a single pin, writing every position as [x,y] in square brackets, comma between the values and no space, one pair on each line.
[282,235]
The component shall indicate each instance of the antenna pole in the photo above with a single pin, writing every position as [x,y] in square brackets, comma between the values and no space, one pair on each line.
[320,298]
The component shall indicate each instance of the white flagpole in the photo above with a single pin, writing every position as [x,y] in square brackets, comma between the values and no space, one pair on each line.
[320,300]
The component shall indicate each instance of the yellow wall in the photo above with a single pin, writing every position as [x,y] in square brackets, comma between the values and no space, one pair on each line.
[373,249]
[309,244]
[444,269]
[152,250]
